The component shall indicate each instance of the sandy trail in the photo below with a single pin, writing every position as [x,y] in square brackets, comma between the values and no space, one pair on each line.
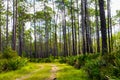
[53,73]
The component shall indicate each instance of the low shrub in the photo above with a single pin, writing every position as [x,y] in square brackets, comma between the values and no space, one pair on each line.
[104,67]
[1,55]
[49,59]
[9,60]
[71,60]
[9,53]
[36,60]
[42,60]
[92,56]
[81,60]
[16,63]
[62,59]
[3,65]
[12,64]
[93,68]
[78,61]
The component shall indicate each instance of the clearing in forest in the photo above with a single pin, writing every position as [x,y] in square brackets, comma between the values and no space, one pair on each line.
[45,71]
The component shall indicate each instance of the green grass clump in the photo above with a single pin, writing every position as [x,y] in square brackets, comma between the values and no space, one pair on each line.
[12,75]
[42,74]
[42,60]
[67,72]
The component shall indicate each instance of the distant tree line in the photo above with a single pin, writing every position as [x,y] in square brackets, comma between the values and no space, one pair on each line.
[57,27]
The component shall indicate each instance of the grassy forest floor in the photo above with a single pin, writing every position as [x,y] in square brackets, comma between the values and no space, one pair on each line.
[82,67]
[45,71]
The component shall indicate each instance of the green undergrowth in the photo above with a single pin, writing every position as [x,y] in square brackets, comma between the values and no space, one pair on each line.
[104,67]
[82,67]
[97,66]
[43,60]
[9,60]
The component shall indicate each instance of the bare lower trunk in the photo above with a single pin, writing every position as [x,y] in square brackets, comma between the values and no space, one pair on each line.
[97,26]
[7,24]
[14,24]
[0,30]
[103,27]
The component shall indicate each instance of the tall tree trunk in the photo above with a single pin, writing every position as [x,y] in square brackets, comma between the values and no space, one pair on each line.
[40,39]
[89,48]
[73,36]
[111,33]
[103,27]
[56,47]
[7,24]
[108,17]
[75,31]
[50,38]
[97,26]
[0,28]
[23,37]
[14,24]
[55,22]
[64,29]
[46,32]
[83,27]
[86,26]
[69,42]
[20,39]
[30,44]
[35,45]
[90,40]
[79,49]
[61,48]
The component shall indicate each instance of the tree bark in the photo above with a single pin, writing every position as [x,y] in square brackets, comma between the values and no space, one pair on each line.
[109,25]
[35,44]
[46,32]
[83,27]
[73,35]
[14,24]
[64,29]
[103,27]
[0,28]
[97,26]
[55,27]
[7,24]
[78,12]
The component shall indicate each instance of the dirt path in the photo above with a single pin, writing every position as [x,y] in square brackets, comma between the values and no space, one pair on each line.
[53,73]
[28,75]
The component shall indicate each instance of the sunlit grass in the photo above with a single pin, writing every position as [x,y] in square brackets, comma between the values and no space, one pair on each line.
[42,71]
[67,72]
[42,74]
[12,75]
